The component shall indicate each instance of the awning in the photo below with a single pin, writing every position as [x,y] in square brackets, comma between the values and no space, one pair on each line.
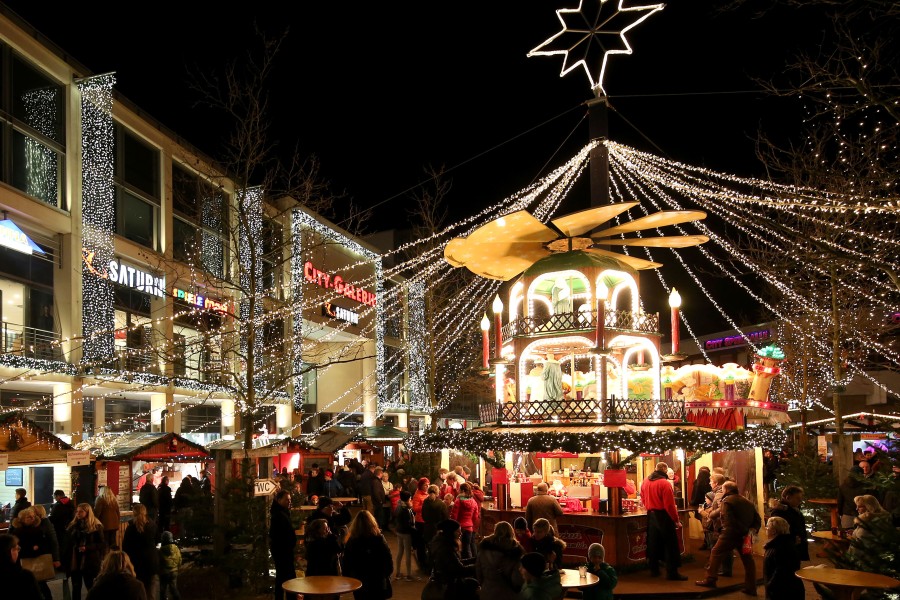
[331,440]
[151,447]
[382,433]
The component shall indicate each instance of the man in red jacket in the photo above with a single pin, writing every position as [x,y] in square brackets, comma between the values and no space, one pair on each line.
[662,523]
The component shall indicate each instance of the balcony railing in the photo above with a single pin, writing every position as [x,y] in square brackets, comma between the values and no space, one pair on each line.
[611,410]
[619,320]
[29,342]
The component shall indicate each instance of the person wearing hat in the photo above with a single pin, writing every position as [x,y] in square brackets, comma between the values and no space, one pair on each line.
[662,523]
[169,563]
[335,513]
[447,569]
[604,571]
[539,583]
[332,488]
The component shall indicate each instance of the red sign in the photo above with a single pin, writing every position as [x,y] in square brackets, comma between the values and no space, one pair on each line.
[579,538]
[637,542]
[337,283]
[555,455]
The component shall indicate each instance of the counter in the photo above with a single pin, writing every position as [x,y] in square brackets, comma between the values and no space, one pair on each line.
[624,537]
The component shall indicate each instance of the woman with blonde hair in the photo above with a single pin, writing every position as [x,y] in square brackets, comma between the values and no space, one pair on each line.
[367,557]
[36,538]
[139,542]
[870,511]
[107,510]
[117,580]
[85,549]
[497,565]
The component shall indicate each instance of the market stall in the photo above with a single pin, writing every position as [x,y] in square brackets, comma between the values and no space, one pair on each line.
[38,462]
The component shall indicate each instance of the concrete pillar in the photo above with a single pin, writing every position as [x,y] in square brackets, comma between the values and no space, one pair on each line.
[173,417]
[157,406]
[99,414]
[227,408]
[64,421]
[283,418]
[403,420]
[370,388]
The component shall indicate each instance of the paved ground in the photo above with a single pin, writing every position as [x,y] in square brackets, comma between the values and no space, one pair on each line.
[632,586]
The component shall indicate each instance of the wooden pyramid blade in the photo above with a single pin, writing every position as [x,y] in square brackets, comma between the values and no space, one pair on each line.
[501,260]
[658,219]
[684,241]
[519,226]
[581,222]
[638,264]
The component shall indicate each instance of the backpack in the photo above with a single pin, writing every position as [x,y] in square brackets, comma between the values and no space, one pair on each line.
[406,519]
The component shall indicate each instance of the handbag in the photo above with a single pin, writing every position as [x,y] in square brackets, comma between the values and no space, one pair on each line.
[41,567]
[747,546]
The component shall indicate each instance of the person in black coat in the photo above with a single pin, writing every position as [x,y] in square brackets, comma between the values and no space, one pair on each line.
[282,540]
[20,504]
[149,497]
[323,549]
[789,510]
[337,515]
[367,557]
[61,513]
[781,562]
[17,582]
[165,505]
[702,486]
[139,543]
[84,549]
[448,570]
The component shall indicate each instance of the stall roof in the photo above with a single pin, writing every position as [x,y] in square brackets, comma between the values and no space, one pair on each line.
[273,448]
[331,440]
[382,433]
[151,446]
[20,434]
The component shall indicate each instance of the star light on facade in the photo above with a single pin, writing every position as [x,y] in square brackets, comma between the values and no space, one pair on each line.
[584,39]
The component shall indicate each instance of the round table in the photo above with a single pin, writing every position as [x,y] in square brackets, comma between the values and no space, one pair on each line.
[846,584]
[347,500]
[321,585]
[569,578]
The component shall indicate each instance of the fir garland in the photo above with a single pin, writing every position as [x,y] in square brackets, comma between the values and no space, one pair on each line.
[491,445]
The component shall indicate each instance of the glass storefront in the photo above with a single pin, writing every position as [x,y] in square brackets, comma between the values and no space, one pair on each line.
[134,332]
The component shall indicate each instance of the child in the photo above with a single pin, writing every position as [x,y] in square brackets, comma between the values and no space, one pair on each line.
[169,563]
[394,497]
[605,572]
[523,535]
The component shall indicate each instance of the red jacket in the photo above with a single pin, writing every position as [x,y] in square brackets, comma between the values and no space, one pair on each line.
[657,494]
[465,512]
[417,500]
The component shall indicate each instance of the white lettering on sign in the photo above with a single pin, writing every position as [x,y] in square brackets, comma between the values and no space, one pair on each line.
[338,312]
[126,275]
[337,283]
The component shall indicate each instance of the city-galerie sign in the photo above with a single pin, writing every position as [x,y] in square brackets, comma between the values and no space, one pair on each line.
[335,282]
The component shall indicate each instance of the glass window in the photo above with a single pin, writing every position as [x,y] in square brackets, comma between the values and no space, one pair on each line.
[37,407]
[37,169]
[207,207]
[184,240]
[37,100]
[135,219]
[201,418]
[137,164]
[127,415]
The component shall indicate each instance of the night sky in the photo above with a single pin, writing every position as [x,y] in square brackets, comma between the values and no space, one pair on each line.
[380,90]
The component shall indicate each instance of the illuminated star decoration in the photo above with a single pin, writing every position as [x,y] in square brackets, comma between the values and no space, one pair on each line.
[582,39]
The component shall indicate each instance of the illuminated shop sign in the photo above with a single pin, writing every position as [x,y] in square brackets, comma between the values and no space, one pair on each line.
[125,275]
[15,239]
[335,282]
[204,302]
[337,312]
[737,340]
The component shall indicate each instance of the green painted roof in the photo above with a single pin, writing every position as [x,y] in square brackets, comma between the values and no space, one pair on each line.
[575,260]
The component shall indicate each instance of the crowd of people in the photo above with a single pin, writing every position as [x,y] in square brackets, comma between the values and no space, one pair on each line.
[83,542]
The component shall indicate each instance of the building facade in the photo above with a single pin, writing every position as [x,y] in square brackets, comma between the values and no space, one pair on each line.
[124,281]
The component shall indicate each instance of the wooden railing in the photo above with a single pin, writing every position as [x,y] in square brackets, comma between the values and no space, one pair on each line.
[610,410]
[619,320]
